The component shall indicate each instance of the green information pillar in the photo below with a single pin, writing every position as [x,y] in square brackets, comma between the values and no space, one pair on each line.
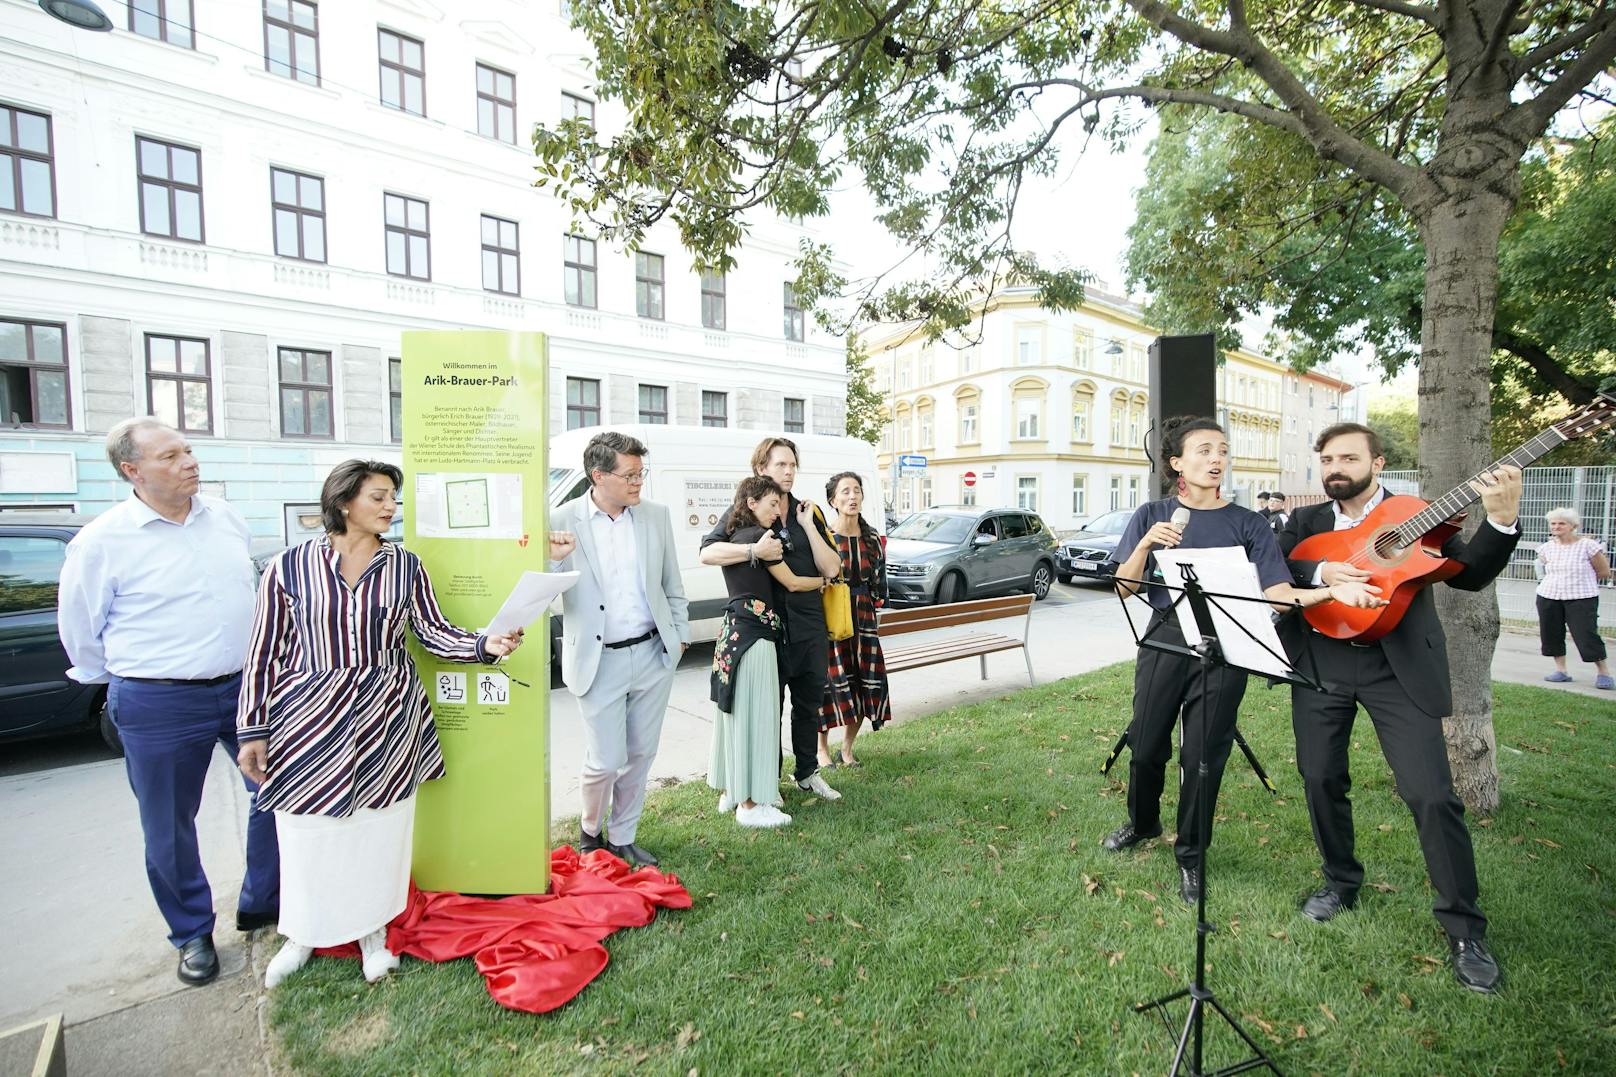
[475,484]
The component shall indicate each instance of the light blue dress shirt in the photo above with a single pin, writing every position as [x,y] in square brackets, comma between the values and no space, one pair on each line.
[142,596]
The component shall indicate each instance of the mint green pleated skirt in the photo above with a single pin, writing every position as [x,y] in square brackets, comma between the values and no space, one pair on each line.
[746,745]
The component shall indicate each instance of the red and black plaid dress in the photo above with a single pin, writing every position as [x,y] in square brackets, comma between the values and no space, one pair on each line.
[857,691]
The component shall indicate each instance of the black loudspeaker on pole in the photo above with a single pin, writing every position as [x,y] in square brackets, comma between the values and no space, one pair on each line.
[1183,381]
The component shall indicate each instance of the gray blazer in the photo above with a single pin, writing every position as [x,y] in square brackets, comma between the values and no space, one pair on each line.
[583,607]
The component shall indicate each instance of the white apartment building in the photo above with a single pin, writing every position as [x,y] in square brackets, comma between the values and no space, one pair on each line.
[1313,401]
[225,212]
[1048,411]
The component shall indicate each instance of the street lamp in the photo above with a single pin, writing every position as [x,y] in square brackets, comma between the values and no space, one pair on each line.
[1113,347]
[79,14]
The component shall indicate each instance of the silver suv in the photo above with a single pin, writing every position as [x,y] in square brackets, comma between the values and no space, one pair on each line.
[949,554]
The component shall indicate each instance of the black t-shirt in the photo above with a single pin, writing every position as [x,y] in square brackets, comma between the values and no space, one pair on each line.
[746,578]
[804,610]
[1229,526]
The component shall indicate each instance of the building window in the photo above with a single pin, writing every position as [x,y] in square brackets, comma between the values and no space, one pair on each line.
[906,432]
[1027,417]
[1116,492]
[903,373]
[714,408]
[403,72]
[502,257]
[1082,416]
[926,365]
[1083,349]
[967,423]
[796,416]
[1119,409]
[923,420]
[179,387]
[305,393]
[925,492]
[967,494]
[409,237]
[579,272]
[1029,345]
[299,209]
[574,107]
[1133,491]
[496,104]
[33,374]
[395,397]
[163,20]
[583,402]
[648,285]
[1027,492]
[654,404]
[967,360]
[712,300]
[170,189]
[292,40]
[1080,495]
[795,325]
[27,163]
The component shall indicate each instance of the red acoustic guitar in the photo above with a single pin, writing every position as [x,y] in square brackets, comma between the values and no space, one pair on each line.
[1400,542]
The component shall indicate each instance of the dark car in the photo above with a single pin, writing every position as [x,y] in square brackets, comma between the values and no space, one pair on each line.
[1086,554]
[949,554]
[37,697]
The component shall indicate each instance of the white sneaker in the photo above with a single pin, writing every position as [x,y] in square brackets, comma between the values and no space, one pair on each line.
[775,815]
[761,816]
[816,784]
[726,804]
[378,959]
[287,960]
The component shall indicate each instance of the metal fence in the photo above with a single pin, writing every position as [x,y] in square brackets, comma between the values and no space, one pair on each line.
[1589,490]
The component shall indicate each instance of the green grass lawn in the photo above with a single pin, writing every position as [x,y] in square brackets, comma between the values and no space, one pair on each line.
[954,913]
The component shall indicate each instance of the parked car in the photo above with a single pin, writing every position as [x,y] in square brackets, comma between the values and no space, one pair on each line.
[950,554]
[1086,554]
[37,697]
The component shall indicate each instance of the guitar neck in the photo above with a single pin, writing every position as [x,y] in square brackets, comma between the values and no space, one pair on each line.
[1460,497]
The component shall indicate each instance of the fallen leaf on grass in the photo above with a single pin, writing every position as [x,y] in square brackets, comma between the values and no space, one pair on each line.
[852,923]
[1091,885]
[1301,1032]
[1148,896]
[1260,1023]
[1408,1003]
[1280,935]
[1328,1014]
[1113,956]
[1549,843]
[687,1036]
[1384,888]
[1428,963]
[1565,725]
[798,1014]
[1384,828]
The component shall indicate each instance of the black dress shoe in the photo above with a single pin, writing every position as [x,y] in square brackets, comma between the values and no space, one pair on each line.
[587,842]
[1189,884]
[1473,966]
[199,961]
[1325,904]
[1126,837]
[252,921]
[633,854]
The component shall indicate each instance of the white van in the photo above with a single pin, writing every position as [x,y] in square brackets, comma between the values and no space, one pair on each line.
[694,471]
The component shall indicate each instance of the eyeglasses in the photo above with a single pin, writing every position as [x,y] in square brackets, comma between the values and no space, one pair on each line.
[633,478]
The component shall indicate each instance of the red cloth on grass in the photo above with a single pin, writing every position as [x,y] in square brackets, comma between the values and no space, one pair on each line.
[536,951]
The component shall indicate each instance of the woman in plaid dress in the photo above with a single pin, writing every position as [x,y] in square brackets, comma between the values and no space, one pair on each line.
[856,691]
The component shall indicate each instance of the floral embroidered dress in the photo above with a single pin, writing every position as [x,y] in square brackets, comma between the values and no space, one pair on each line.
[749,617]
[745,758]
[857,688]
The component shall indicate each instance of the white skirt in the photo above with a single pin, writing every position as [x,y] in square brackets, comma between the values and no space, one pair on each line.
[341,879]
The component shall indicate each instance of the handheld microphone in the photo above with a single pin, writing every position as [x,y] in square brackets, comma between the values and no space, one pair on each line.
[1181,517]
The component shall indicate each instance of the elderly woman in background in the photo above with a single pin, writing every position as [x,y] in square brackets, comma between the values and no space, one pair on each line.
[333,721]
[856,691]
[1571,566]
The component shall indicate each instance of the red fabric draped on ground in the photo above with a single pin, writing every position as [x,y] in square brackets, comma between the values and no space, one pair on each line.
[535,950]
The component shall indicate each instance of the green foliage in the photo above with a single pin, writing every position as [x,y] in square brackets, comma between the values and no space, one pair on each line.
[954,914]
[1399,428]
[863,399]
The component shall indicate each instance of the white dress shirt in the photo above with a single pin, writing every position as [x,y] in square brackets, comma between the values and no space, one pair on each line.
[628,610]
[142,596]
[1344,522]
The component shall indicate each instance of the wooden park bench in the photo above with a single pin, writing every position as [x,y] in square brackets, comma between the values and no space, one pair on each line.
[973,644]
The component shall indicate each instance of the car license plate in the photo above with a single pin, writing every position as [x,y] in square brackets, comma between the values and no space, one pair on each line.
[1091,567]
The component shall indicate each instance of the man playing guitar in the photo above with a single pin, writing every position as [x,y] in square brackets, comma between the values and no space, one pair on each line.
[1402,681]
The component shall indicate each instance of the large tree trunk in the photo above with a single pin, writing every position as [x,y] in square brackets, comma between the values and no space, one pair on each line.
[1461,289]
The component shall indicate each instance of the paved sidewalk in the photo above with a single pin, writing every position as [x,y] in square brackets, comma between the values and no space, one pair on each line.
[82,936]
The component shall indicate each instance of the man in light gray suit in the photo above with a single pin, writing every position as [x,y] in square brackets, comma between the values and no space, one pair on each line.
[625,626]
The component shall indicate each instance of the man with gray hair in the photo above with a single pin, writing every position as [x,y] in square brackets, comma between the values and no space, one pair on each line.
[621,624]
[156,601]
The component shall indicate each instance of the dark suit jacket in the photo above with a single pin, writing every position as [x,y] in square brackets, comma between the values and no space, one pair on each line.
[1417,649]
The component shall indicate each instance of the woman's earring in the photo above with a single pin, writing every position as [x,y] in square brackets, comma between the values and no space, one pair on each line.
[345,512]
[1182,485]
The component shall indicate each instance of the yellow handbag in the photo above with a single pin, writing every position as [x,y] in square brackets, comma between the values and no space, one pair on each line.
[838,600]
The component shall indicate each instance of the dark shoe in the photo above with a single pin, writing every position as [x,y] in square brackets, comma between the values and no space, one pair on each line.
[1126,837]
[633,854]
[1325,904]
[587,842]
[1189,884]
[1473,966]
[199,961]
[252,921]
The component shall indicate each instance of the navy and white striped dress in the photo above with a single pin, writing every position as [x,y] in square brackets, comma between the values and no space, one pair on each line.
[328,680]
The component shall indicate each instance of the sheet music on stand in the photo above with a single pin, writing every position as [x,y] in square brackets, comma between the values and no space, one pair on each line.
[1245,630]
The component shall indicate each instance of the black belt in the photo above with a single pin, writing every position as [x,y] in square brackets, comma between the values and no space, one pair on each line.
[631,642]
[208,683]
[1350,642]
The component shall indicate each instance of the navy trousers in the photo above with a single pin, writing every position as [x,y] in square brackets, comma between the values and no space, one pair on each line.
[170,732]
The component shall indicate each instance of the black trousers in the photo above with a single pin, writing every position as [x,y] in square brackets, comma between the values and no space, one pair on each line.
[1581,615]
[804,666]
[1165,686]
[1412,743]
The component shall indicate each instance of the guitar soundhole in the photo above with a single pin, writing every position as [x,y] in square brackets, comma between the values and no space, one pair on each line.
[1387,546]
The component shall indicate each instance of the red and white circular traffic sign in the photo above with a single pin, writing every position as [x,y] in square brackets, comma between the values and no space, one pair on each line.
[970,478]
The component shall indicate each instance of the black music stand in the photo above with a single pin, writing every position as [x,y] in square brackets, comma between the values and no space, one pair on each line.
[1209,654]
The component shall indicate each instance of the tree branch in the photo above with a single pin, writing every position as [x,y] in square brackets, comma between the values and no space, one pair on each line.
[1400,7]
[1559,45]
[1543,365]
[1531,118]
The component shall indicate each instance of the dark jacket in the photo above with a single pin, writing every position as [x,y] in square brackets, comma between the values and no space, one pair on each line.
[1417,649]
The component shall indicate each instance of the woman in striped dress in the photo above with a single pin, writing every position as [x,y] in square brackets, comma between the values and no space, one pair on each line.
[856,691]
[333,721]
